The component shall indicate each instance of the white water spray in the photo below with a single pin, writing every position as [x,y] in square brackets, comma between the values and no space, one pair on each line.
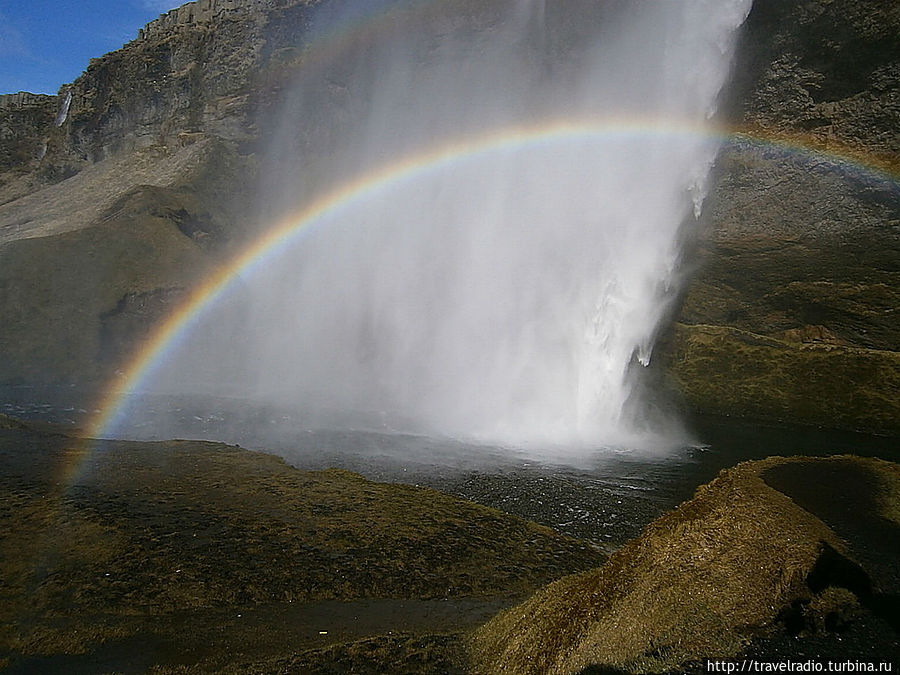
[510,294]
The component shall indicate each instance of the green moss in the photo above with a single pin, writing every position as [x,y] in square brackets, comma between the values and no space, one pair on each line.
[152,532]
[726,371]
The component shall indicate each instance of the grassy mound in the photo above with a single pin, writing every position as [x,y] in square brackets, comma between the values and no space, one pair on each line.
[732,564]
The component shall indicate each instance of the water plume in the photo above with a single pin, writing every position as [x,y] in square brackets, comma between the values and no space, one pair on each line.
[509,292]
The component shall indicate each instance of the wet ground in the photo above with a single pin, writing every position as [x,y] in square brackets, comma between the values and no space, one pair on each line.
[254,633]
[602,495]
[116,556]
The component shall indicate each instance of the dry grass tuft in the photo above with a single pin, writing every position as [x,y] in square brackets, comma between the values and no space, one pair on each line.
[699,582]
[889,501]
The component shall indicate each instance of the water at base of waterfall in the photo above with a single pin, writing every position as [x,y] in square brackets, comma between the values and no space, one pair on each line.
[607,500]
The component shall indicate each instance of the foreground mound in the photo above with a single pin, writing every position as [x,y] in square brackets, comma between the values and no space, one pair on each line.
[188,552]
[734,568]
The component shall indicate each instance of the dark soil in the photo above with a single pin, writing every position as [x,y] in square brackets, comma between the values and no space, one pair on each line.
[844,494]
[207,556]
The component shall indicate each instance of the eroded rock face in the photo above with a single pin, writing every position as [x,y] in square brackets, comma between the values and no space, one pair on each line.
[25,120]
[729,372]
[830,69]
[194,69]
[801,237]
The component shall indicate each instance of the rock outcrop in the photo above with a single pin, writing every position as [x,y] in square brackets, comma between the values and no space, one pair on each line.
[206,12]
[25,121]
[196,70]
[800,252]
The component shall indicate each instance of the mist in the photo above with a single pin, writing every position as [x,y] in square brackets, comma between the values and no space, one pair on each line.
[508,291]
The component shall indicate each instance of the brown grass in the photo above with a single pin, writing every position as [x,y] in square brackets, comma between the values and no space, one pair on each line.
[700,582]
[153,529]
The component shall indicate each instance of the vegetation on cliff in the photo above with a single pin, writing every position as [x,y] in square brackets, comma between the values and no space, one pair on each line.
[799,252]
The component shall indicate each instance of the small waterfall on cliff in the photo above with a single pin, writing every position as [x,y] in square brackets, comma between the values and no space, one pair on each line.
[520,175]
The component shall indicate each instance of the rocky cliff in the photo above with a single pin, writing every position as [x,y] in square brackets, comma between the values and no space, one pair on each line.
[792,312]
[152,157]
[147,158]
[25,120]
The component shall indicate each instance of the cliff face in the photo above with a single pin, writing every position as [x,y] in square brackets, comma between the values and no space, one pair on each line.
[121,192]
[192,73]
[828,69]
[799,256]
[792,312]
[25,120]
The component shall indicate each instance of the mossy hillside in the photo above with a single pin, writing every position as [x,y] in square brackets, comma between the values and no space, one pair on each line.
[90,266]
[885,475]
[327,535]
[726,371]
[178,529]
[55,291]
[701,581]
[793,239]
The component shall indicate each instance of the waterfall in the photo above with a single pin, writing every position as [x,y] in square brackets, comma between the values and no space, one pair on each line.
[519,177]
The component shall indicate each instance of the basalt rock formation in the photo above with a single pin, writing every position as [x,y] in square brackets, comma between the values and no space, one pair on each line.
[152,156]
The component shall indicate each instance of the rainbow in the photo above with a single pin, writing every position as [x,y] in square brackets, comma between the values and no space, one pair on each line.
[153,353]
[354,192]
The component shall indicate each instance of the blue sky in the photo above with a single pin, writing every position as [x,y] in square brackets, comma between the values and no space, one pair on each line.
[47,43]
